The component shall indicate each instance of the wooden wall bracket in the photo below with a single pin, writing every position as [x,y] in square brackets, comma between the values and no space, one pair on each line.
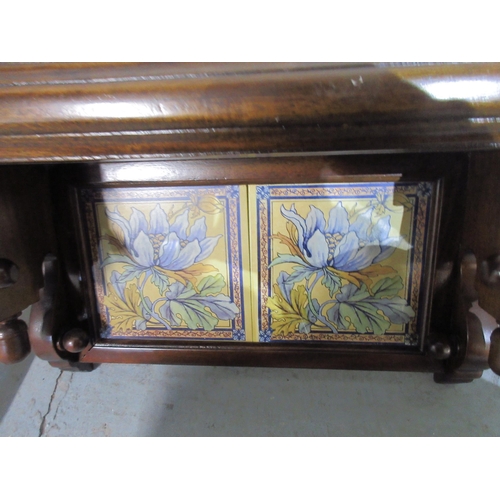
[468,340]
[47,335]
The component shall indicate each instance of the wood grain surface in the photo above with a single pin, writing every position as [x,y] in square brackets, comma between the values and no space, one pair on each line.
[76,112]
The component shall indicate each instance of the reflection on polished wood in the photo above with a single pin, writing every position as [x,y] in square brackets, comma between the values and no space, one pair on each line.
[54,112]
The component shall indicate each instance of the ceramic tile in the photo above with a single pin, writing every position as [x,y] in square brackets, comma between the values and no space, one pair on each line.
[170,262]
[340,262]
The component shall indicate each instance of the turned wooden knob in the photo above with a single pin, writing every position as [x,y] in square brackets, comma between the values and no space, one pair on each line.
[440,350]
[75,340]
[9,273]
[489,270]
[494,356]
[14,341]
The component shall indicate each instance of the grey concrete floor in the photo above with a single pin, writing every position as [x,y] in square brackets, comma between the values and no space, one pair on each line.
[148,400]
[157,400]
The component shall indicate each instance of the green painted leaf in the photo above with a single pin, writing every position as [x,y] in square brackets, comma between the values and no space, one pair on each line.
[160,280]
[331,280]
[115,258]
[386,300]
[312,311]
[364,317]
[287,259]
[351,293]
[300,273]
[140,324]
[357,307]
[197,310]
[387,287]
[221,305]
[194,314]
[399,199]
[396,309]
[124,313]
[167,314]
[129,273]
[148,307]
[288,317]
[187,292]
[211,285]
[333,314]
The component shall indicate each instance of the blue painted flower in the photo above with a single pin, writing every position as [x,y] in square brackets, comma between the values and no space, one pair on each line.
[159,244]
[263,192]
[337,243]
[265,335]
[424,189]
[239,335]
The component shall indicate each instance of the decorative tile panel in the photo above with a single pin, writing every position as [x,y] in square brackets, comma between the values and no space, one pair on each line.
[170,262]
[329,262]
[340,262]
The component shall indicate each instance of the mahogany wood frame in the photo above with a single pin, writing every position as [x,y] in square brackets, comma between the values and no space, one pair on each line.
[445,169]
[71,124]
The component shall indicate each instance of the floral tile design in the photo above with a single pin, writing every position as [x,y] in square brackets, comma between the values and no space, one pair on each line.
[340,262]
[170,262]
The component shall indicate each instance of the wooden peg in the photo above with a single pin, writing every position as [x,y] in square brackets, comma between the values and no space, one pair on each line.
[75,340]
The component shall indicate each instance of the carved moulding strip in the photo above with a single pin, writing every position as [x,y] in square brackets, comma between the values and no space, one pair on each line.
[140,114]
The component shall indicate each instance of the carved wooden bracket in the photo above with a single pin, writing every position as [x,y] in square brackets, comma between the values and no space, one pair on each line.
[47,320]
[469,344]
